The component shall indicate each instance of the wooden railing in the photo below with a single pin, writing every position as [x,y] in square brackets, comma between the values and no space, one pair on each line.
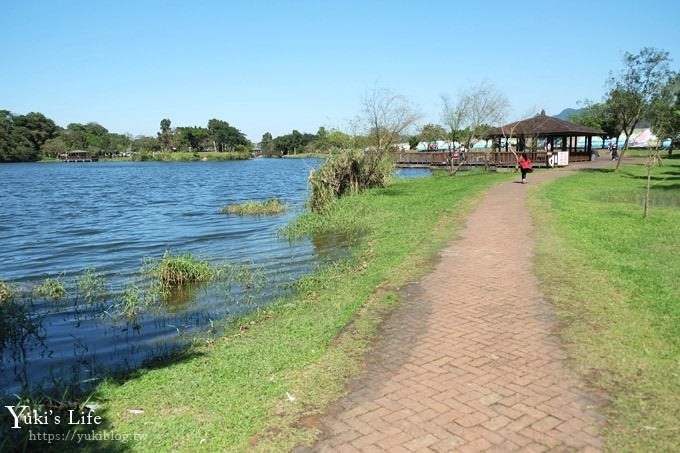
[473,158]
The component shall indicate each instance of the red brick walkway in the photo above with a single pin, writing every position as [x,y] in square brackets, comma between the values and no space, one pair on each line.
[470,362]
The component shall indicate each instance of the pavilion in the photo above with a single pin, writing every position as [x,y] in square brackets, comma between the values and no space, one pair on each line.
[561,135]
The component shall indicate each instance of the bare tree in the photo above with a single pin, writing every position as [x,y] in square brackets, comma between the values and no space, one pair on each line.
[477,108]
[454,117]
[385,117]
[485,106]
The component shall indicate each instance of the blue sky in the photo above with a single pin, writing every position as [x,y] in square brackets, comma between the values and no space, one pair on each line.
[282,65]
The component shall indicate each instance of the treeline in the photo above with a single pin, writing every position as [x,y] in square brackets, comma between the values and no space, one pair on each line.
[33,136]
[297,142]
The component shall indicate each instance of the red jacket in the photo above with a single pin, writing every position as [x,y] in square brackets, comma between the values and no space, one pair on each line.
[524,163]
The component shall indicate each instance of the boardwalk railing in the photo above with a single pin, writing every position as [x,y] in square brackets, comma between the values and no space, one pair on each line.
[477,158]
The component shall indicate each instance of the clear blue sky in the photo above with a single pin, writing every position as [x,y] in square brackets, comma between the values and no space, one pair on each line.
[282,65]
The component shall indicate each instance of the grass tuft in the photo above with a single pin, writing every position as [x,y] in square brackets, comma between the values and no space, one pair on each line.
[273,206]
[51,289]
[176,270]
[5,291]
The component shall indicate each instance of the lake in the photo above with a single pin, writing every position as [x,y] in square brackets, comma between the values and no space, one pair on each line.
[56,220]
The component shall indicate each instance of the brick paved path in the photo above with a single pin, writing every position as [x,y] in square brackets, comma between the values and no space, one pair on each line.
[471,363]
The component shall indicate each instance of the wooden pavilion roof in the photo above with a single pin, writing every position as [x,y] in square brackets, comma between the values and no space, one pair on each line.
[543,126]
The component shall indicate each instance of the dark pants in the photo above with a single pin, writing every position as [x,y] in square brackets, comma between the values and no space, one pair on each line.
[524,172]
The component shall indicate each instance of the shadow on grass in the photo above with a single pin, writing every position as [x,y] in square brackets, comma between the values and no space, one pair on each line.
[60,426]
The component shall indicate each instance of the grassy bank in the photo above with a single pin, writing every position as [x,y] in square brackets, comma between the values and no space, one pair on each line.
[615,284]
[249,388]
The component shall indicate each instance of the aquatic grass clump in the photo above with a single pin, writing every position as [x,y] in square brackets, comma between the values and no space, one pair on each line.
[5,291]
[176,270]
[51,289]
[91,285]
[273,206]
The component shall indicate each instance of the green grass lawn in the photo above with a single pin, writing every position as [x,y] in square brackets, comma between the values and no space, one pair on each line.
[248,389]
[614,280]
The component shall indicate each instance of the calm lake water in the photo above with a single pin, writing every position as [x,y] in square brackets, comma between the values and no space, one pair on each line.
[58,219]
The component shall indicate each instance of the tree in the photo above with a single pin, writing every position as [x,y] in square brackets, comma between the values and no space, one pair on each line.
[54,147]
[384,117]
[166,134]
[338,139]
[15,146]
[432,133]
[665,113]
[473,112]
[454,116]
[224,136]
[634,89]
[36,127]
[194,138]
[485,105]
[266,143]
[598,116]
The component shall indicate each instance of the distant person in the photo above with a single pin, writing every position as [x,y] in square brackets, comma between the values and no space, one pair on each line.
[615,152]
[524,166]
[548,153]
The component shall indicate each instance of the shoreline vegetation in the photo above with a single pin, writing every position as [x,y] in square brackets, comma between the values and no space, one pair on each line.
[247,388]
[613,281]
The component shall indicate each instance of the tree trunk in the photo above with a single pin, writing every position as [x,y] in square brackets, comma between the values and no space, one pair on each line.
[622,151]
[645,213]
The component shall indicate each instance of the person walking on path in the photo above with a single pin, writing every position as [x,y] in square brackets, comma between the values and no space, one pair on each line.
[524,166]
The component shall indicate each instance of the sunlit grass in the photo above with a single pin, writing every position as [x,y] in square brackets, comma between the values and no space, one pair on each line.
[614,280]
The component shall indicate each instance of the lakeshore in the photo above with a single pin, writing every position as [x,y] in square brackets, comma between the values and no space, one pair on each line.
[278,368]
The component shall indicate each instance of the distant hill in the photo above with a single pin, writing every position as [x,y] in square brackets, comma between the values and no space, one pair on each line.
[566,113]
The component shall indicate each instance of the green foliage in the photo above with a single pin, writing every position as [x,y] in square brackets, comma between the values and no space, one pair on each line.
[273,206]
[598,116]
[348,173]
[226,137]
[292,143]
[15,145]
[431,133]
[50,288]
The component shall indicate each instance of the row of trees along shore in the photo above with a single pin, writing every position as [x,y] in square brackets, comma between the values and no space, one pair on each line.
[33,136]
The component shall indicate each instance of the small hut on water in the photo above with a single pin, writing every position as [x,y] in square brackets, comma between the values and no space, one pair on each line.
[553,134]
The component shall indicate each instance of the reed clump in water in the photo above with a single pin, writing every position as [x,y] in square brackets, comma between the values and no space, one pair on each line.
[177,270]
[273,206]
[51,289]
